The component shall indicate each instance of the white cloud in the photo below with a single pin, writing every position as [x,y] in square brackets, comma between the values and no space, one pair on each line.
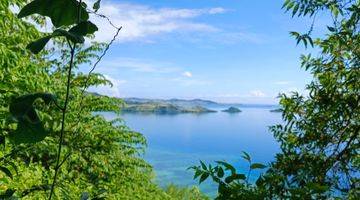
[113,91]
[187,74]
[257,93]
[137,65]
[141,22]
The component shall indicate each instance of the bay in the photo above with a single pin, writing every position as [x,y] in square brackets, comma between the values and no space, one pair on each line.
[176,142]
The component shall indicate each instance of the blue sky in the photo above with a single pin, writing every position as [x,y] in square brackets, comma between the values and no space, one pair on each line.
[222,50]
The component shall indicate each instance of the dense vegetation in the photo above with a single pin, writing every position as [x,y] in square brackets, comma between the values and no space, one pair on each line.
[97,159]
[319,139]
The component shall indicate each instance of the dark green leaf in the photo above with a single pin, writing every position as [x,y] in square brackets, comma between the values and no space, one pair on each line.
[71,36]
[30,128]
[203,177]
[21,106]
[246,156]
[28,132]
[84,28]
[8,193]
[2,140]
[38,45]
[6,171]
[295,9]
[203,165]
[227,166]
[234,177]
[96,5]
[61,12]
[331,29]
[197,173]
[220,172]
[257,166]
[317,187]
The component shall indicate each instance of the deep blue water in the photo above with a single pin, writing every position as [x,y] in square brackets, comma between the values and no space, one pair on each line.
[176,142]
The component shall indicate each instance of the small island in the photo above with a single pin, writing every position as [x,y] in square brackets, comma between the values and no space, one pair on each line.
[232,110]
[278,110]
[163,108]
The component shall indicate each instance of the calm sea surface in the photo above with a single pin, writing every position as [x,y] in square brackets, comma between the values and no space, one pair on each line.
[176,142]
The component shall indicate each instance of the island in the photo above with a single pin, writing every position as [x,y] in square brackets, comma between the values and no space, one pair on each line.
[278,110]
[163,108]
[232,110]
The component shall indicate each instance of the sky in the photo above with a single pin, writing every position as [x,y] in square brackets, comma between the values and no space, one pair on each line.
[237,51]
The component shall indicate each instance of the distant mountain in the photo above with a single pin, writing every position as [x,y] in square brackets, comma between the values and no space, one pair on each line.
[178,102]
[193,103]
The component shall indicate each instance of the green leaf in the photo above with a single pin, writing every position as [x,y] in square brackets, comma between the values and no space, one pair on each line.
[30,128]
[246,156]
[295,9]
[317,187]
[331,29]
[2,140]
[84,28]
[203,177]
[8,193]
[227,166]
[27,132]
[220,172]
[71,36]
[38,45]
[197,174]
[61,12]
[22,106]
[203,165]
[96,5]
[257,166]
[6,171]
[234,177]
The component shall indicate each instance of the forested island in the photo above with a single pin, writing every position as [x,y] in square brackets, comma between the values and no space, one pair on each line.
[232,110]
[163,108]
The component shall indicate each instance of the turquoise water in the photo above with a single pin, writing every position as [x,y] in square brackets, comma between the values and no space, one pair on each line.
[176,142]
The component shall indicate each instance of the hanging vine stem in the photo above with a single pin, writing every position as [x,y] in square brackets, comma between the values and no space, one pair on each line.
[64,109]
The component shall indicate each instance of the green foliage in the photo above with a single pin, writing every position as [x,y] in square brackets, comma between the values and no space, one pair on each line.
[319,138]
[99,158]
[180,193]
[231,185]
